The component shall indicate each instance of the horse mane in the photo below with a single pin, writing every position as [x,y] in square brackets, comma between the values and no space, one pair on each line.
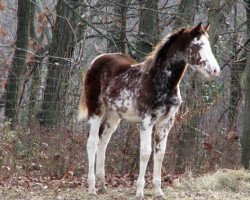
[160,50]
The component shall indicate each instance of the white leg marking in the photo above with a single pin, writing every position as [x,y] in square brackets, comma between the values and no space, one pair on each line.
[161,134]
[92,144]
[110,126]
[145,152]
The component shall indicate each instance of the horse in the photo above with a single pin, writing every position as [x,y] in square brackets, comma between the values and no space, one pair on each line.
[116,87]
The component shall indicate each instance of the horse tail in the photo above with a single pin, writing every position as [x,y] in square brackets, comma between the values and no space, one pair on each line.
[90,103]
[83,109]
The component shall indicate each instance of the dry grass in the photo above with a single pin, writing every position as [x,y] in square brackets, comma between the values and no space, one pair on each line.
[223,185]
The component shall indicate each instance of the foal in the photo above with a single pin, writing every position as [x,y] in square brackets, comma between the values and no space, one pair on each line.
[116,87]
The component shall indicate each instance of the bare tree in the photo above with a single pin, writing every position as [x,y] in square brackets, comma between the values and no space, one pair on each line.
[147,33]
[216,15]
[60,53]
[186,13]
[118,27]
[16,73]
[236,70]
[245,141]
[187,136]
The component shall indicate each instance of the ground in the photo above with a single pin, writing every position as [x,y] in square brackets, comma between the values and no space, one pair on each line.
[223,185]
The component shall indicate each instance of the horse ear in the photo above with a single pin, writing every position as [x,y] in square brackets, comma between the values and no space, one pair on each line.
[198,27]
[196,30]
[206,28]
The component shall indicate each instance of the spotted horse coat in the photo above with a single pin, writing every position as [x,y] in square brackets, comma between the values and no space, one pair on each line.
[117,87]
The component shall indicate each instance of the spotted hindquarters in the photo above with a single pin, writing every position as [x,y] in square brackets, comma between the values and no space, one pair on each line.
[103,69]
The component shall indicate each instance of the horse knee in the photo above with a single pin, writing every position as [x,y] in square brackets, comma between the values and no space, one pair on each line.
[91,180]
[145,154]
[100,175]
[157,181]
[92,141]
[159,156]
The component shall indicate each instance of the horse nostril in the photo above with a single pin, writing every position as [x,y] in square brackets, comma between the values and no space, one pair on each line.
[216,72]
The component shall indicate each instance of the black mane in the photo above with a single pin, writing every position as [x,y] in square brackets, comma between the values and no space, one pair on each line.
[159,54]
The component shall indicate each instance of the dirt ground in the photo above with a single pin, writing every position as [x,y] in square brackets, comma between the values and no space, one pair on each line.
[223,185]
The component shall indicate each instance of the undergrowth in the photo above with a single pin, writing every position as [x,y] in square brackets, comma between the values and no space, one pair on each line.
[50,152]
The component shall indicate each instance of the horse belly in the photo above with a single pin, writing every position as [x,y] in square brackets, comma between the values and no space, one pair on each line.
[124,106]
[130,115]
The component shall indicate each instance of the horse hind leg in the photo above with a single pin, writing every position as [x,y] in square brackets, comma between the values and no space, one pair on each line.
[106,130]
[92,145]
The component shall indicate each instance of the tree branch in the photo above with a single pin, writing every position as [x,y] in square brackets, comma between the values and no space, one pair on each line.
[84,21]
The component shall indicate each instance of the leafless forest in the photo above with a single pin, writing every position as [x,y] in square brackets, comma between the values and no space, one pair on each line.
[46,46]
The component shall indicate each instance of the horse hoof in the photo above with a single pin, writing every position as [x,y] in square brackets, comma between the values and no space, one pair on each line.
[161,197]
[92,192]
[102,190]
[139,197]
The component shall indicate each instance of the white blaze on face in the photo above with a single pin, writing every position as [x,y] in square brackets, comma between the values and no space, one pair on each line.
[209,66]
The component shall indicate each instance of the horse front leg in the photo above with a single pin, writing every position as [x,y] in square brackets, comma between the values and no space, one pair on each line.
[161,133]
[145,152]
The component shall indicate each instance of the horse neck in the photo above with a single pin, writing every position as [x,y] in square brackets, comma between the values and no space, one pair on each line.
[177,50]
[169,70]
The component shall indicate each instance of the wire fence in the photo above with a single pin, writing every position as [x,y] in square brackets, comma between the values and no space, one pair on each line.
[48,138]
[201,139]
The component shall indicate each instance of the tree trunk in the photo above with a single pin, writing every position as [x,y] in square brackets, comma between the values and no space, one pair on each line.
[188,146]
[235,82]
[216,15]
[16,73]
[245,141]
[187,136]
[60,52]
[118,28]
[147,34]
[32,20]
[186,12]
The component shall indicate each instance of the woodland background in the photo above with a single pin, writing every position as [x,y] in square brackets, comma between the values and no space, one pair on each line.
[46,47]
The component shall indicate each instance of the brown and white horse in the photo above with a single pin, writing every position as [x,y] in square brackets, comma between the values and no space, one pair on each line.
[116,87]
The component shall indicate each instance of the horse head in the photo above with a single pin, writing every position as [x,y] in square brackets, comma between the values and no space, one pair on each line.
[200,55]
